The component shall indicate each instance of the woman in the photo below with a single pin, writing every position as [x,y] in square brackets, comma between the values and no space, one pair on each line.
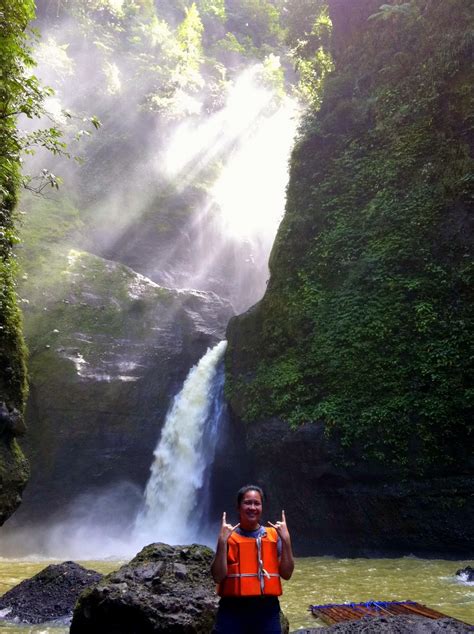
[248,564]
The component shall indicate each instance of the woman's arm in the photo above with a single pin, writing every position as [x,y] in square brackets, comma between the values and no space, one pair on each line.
[287,563]
[219,563]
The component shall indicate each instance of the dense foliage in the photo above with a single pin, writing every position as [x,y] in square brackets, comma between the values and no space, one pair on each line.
[159,53]
[366,321]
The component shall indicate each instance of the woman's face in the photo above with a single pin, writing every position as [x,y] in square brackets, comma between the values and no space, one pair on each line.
[250,510]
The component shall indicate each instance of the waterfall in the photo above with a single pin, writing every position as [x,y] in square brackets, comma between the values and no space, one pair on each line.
[172,512]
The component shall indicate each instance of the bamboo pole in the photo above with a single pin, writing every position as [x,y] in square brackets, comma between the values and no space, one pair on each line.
[321,612]
[426,612]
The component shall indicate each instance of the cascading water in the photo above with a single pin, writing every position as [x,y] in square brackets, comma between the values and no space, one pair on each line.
[175,496]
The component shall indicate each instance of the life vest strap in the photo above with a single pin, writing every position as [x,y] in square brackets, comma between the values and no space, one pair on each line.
[255,574]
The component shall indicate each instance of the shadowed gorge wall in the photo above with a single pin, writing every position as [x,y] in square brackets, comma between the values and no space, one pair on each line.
[358,353]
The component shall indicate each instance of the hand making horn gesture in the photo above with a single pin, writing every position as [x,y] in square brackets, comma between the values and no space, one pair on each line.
[281,528]
[226,529]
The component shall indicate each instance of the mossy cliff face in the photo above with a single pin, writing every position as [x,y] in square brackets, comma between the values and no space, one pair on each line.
[108,351]
[16,95]
[14,469]
[361,340]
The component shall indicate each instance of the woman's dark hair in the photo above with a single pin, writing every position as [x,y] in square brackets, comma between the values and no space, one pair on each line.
[249,487]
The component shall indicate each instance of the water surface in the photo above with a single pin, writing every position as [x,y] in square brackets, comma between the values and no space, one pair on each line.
[317,580]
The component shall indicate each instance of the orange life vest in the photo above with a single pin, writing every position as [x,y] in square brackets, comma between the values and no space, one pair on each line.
[252,566]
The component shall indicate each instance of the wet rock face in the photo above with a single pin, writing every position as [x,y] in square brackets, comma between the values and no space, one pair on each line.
[348,18]
[357,510]
[11,421]
[14,474]
[163,589]
[14,468]
[109,349]
[49,595]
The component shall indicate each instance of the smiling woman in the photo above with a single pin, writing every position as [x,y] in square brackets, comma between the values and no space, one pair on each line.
[249,561]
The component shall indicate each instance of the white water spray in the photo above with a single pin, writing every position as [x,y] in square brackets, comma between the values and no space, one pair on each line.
[181,457]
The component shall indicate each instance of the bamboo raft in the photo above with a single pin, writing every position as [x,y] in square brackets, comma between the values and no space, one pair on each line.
[337,613]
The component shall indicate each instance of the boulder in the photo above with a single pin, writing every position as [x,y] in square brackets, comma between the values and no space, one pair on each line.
[163,589]
[466,574]
[49,595]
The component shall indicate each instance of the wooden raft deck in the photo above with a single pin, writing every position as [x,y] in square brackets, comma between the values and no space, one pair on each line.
[337,613]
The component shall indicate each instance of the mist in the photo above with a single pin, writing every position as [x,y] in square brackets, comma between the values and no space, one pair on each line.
[96,525]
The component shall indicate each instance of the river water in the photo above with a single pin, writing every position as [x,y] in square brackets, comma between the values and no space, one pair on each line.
[319,580]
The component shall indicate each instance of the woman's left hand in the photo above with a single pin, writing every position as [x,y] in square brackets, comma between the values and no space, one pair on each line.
[281,528]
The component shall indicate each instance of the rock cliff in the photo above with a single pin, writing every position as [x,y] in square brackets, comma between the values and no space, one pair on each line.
[108,351]
[348,380]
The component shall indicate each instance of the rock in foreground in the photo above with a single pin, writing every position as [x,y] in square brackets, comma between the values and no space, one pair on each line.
[163,589]
[51,594]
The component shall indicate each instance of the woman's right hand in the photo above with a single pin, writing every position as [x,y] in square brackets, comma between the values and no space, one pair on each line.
[226,529]
[219,563]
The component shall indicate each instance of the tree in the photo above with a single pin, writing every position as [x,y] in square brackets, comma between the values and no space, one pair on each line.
[190,39]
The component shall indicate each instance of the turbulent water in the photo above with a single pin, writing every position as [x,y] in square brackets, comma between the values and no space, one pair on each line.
[318,580]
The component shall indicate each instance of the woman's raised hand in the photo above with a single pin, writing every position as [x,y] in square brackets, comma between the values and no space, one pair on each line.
[226,529]
[281,528]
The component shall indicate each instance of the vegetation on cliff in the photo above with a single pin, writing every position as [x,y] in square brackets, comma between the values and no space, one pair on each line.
[365,324]
[19,93]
